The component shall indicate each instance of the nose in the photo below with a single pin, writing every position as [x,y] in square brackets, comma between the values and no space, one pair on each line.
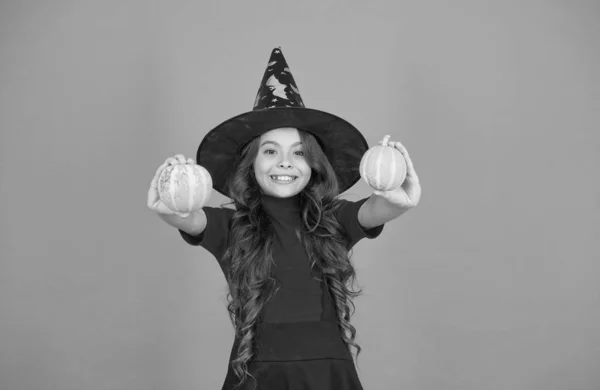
[285,165]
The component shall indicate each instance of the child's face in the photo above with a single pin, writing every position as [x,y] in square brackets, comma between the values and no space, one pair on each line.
[281,154]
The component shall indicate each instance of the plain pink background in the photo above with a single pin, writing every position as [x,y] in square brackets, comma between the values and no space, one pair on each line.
[491,283]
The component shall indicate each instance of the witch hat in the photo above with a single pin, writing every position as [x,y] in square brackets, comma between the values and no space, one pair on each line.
[278,104]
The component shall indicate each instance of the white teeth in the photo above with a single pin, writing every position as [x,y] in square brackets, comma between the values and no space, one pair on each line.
[283,178]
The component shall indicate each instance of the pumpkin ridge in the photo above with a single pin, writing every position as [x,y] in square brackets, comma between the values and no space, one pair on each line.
[393,170]
[192,187]
[378,167]
[172,186]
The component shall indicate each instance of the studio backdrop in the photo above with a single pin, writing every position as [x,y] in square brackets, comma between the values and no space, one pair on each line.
[491,283]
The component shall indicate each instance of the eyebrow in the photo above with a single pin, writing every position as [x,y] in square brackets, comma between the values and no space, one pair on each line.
[275,143]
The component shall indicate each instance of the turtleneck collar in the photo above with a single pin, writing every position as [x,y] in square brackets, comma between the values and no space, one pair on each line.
[282,208]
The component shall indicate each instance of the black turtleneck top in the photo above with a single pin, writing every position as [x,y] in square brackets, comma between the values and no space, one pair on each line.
[299,296]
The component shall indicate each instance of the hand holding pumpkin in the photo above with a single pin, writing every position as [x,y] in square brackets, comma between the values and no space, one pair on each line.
[179,187]
[388,169]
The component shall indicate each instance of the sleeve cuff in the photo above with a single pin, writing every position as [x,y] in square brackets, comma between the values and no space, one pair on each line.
[355,230]
[374,232]
[192,240]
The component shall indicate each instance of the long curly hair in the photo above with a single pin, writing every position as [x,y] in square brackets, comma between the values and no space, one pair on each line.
[249,260]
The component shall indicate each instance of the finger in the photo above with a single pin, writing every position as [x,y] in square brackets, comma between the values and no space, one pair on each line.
[152,198]
[153,190]
[191,161]
[410,169]
[154,182]
[160,208]
[178,158]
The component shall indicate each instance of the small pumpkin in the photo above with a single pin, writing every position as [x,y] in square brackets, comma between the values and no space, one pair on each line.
[184,188]
[383,167]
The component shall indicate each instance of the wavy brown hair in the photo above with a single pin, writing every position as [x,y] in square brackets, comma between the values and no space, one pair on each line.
[249,260]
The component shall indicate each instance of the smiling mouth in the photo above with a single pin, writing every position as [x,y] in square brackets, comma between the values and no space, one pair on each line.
[284,179]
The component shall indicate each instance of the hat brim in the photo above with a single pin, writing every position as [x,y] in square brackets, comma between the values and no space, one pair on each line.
[341,142]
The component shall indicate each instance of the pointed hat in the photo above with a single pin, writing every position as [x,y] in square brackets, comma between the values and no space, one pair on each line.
[278,104]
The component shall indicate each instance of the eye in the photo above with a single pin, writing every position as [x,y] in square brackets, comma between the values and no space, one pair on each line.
[272,150]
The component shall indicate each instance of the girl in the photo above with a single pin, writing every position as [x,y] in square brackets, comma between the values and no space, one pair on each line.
[285,248]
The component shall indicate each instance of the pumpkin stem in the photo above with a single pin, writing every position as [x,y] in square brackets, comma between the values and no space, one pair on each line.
[385,140]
